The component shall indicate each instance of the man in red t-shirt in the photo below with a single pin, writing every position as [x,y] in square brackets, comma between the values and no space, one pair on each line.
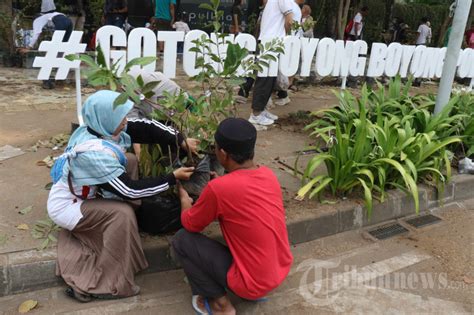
[248,204]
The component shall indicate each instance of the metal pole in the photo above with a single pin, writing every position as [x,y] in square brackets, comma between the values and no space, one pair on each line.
[461,15]
[79,96]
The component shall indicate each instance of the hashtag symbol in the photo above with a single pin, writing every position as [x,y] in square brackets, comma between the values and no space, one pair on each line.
[56,50]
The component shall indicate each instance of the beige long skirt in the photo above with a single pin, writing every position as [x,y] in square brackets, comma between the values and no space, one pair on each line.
[103,252]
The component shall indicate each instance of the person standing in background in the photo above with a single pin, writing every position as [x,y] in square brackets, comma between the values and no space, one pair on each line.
[446,36]
[181,26]
[296,30]
[307,22]
[358,24]
[424,38]
[236,26]
[469,36]
[164,17]
[424,32]
[276,22]
[115,12]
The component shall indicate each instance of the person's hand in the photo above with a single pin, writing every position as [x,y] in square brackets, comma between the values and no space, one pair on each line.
[214,175]
[192,144]
[183,173]
[23,50]
[186,201]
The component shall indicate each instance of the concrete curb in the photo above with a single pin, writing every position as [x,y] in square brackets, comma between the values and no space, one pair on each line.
[31,270]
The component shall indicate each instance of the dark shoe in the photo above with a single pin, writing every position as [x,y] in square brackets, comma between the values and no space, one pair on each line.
[48,84]
[416,83]
[83,298]
[135,289]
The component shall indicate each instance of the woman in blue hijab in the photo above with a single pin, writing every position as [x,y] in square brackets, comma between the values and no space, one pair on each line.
[99,247]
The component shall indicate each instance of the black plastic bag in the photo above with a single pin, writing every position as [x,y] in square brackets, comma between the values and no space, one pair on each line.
[199,179]
[159,214]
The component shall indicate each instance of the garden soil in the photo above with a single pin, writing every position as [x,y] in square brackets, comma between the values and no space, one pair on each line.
[29,113]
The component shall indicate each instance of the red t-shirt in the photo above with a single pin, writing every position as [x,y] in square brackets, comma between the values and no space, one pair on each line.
[249,207]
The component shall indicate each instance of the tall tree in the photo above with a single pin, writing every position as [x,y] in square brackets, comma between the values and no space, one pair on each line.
[388,13]
[342,14]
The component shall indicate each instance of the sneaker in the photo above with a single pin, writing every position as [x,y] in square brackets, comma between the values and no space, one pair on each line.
[269,115]
[240,99]
[260,120]
[282,101]
[270,104]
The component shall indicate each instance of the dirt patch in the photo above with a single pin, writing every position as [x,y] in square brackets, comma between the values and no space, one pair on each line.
[296,121]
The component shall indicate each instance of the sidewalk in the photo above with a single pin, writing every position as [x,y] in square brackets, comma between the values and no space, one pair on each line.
[22,182]
[427,271]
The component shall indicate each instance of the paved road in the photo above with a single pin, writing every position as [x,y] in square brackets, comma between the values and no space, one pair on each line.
[428,271]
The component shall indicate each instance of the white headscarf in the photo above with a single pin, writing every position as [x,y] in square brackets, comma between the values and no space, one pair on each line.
[47,6]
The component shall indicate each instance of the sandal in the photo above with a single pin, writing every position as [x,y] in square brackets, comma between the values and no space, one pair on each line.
[83,298]
[194,302]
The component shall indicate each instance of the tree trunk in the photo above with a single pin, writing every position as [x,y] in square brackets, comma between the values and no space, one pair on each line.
[331,22]
[388,13]
[342,12]
[442,30]
[339,26]
[345,16]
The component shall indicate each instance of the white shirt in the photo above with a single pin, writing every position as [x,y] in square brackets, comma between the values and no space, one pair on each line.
[63,207]
[273,19]
[424,33]
[297,18]
[39,23]
[357,19]
[181,26]
[47,5]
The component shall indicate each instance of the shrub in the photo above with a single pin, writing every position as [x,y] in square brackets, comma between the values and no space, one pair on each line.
[383,139]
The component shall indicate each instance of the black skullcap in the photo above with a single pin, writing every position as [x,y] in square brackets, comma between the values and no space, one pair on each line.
[236,136]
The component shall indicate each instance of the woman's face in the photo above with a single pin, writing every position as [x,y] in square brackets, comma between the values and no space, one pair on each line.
[121,127]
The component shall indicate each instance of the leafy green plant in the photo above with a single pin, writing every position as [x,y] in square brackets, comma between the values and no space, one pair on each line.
[381,140]
[222,65]
[220,73]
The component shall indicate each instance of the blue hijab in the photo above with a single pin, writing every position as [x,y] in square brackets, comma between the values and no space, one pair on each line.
[94,167]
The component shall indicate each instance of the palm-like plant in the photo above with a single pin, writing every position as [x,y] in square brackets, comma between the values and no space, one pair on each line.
[383,139]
